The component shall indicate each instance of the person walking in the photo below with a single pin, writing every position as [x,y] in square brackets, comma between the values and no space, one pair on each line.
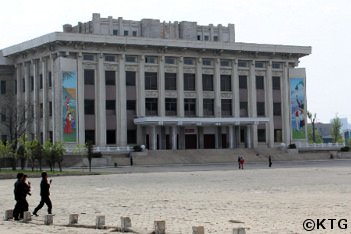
[19,192]
[242,161]
[239,158]
[26,191]
[269,161]
[45,194]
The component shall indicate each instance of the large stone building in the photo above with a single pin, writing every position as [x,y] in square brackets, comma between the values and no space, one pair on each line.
[177,85]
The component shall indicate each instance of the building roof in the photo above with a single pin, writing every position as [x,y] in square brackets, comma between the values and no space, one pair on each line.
[298,51]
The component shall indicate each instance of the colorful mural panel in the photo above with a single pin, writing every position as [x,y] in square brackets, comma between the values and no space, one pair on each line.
[298,115]
[69,95]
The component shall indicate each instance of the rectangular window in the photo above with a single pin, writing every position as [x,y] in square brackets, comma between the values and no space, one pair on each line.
[170,60]
[89,76]
[131,59]
[206,38]
[243,109]
[90,136]
[3,87]
[49,80]
[41,110]
[89,107]
[50,109]
[131,105]
[189,61]
[215,38]
[242,82]
[261,135]
[88,57]
[189,81]
[276,65]
[260,109]
[226,105]
[110,58]
[110,77]
[170,81]
[207,62]
[150,80]
[242,63]
[189,107]
[110,107]
[225,63]
[207,82]
[171,106]
[259,82]
[115,32]
[130,78]
[32,83]
[199,37]
[110,137]
[151,59]
[277,109]
[134,33]
[131,136]
[3,114]
[226,83]
[41,81]
[276,82]
[260,64]
[126,33]
[151,106]
[208,107]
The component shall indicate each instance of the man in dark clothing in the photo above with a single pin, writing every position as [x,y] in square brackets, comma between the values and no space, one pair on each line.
[20,197]
[44,193]
[269,161]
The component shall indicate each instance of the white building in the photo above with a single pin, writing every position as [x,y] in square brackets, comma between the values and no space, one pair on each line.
[173,85]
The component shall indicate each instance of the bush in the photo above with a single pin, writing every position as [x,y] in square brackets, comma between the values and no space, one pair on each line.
[345,149]
[292,146]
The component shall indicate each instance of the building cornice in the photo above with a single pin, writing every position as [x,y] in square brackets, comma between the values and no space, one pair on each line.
[298,51]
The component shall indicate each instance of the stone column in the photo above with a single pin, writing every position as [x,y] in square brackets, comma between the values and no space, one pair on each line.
[286,105]
[199,92]
[140,135]
[269,106]
[121,103]
[174,137]
[180,88]
[100,96]
[231,136]
[141,88]
[81,115]
[44,72]
[181,137]
[200,135]
[218,137]
[161,87]
[252,102]
[248,136]
[153,140]
[235,89]
[217,88]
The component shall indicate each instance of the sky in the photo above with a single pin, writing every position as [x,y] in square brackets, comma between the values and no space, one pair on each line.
[323,24]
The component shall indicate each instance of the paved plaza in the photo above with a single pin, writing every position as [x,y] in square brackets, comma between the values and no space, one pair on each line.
[218,197]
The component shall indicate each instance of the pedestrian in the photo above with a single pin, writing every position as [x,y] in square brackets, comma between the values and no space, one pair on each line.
[239,158]
[242,161]
[45,194]
[269,161]
[19,192]
[26,187]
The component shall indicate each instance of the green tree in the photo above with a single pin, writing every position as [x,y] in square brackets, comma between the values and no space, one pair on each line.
[317,136]
[335,130]
[5,150]
[33,151]
[49,155]
[313,120]
[58,151]
[22,151]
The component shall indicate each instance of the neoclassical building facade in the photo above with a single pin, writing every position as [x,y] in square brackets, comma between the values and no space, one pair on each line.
[177,85]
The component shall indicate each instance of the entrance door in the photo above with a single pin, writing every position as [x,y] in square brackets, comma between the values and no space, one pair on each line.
[168,142]
[224,141]
[147,141]
[209,141]
[190,141]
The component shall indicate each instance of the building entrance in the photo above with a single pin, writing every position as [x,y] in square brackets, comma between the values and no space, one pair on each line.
[190,141]
[209,141]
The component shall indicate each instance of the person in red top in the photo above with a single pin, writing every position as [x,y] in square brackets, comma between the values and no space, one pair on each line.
[242,163]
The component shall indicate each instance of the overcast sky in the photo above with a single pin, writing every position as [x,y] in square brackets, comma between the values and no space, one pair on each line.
[323,24]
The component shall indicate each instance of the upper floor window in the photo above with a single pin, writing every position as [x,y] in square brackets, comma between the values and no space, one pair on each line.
[3,87]
[226,83]
[189,61]
[207,62]
[131,105]
[131,59]
[207,82]
[276,65]
[151,59]
[134,33]
[225,63]
[89,76]
[110,77]
[49,79]
[115,32]
[242,63]
[208,107]
[170,81]
[206,38]
[170,60]
[259,82]
[150,80]
[130,78]
[89,106]
[171,106]
[110,107]
[259,64]
[226,105]
[88,57]
[260,109]
[189,106]
[242,82]
[215,38]
[151,106]
[31,83]
[126,33]
[199,37]
[110,58]
[189,81]
[277,109]
[276,82]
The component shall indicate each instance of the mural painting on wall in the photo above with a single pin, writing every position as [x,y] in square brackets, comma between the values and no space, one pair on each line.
[298,115]
[69,95]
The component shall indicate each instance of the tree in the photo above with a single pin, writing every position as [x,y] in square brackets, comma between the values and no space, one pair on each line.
[48,154]
[33,150]
[5,150]
[58,151]
[318,138]
[335,130]
[313,120]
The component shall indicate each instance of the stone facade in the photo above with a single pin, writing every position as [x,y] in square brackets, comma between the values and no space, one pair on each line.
[162,87]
